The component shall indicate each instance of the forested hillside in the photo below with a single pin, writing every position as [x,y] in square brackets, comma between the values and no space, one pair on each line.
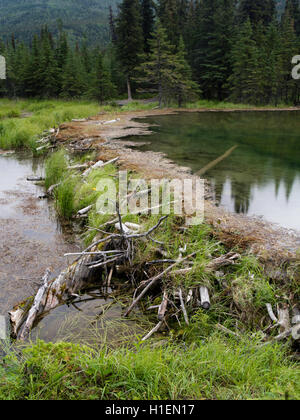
[81,18]
[177,50]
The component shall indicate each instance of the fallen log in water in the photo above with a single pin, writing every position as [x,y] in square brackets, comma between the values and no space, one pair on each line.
[75,279]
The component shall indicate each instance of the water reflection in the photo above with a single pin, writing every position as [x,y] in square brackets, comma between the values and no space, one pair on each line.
[260,177]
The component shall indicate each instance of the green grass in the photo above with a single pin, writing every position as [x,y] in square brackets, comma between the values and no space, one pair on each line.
[16,133]
[206,104]
[215,368]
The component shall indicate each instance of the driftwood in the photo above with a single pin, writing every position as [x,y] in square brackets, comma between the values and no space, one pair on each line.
[215,162]
[35,178]
[227,331]
[98,165]
[37,307]
[75,279]
[204,296]
[223,261]
[78,167]
[84,211]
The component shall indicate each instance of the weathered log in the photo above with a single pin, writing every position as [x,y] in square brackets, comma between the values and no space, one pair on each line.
[296,316]
[154,330]
[37,307]
[204,296]
[224,260]
[227,331]
[76,278]
[78,167]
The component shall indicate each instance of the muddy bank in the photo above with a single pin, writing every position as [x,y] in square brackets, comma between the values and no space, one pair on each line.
[107,134]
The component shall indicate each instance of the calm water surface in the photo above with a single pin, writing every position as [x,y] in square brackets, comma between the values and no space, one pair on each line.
[260,177]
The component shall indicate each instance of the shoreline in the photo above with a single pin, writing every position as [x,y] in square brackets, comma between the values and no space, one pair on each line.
[108,138]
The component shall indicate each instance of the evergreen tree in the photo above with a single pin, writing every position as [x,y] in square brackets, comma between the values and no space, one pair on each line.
[130,43]
[257,10]
[244,79]
[102,87]
[168,11]
[147,11]
[168,73]
[212,47]
[185,88]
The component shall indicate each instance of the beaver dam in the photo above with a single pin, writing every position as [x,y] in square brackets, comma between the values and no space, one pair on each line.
[238,273]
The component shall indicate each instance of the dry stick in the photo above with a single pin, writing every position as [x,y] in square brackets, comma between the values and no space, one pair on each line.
[183,307]
[271,313]
[153,280]
[163,307]
[154,330]
[109,277]
[216,161]
[279,337]
[227,331]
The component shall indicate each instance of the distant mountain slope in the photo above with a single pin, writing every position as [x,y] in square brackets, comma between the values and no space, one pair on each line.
[80,18]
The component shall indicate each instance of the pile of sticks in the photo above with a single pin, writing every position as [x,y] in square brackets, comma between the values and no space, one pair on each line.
[111,258]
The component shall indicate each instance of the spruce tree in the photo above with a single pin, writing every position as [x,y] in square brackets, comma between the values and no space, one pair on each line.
[244,79]
[147,11]
[102,87]
[257,10]
[212,47]
[167,72]
[129,43]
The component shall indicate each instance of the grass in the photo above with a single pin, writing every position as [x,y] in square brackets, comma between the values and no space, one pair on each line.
[214,368]
[16,133]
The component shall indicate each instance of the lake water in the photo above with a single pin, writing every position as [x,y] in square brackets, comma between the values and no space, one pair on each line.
[261,175]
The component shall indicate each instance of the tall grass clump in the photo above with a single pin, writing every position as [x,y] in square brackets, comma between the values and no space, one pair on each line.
[55,168]
[16,133]
[215,369]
